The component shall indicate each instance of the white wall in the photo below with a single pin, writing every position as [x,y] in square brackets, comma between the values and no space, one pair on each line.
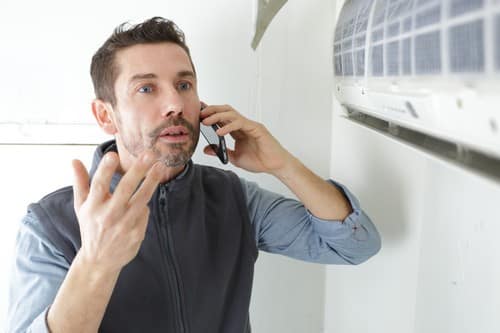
[438,269]
[286,84]
[294,88]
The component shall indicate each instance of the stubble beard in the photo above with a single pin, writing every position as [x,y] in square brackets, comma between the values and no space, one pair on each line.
[178,154]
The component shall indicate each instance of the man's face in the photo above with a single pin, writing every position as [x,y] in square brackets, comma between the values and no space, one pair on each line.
[157,104]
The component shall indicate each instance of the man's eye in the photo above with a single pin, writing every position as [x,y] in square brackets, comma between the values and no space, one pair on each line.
[184,86]
[146,89]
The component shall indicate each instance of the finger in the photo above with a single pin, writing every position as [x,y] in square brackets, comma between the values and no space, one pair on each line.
[206,111]
[222,118]
[214,109]
[230,127]
[132,178]
[231,156]
[145,191]
[140,224]
[80,183]
[101,181]
[143,221]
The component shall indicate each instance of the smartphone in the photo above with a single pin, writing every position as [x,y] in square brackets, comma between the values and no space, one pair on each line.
[218,143]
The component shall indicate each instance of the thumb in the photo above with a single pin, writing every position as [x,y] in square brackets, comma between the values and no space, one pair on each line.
[81,185]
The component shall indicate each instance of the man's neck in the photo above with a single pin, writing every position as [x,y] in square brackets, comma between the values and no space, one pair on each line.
[170,173]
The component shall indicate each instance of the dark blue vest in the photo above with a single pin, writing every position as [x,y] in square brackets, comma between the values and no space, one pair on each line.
[194,270]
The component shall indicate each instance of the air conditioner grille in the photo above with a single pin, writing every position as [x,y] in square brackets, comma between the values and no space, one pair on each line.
[417,37]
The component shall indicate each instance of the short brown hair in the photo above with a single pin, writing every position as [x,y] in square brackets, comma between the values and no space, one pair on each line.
[104,69]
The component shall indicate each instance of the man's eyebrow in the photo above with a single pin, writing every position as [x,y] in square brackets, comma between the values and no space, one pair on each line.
[137,77]
[186,73]
[143,76]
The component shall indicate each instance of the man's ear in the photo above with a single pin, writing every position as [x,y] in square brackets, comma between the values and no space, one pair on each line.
[103,113]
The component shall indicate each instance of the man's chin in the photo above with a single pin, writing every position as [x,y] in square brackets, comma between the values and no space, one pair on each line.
[174,154]
[174,157]
[174,161]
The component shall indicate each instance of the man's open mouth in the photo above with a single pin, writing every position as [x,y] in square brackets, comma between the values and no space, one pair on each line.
[174,131]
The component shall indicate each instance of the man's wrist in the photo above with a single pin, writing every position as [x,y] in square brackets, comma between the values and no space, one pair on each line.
[95,273]
[83,296]
[290,167]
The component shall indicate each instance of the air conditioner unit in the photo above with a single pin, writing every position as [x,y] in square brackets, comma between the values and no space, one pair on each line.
[432,66]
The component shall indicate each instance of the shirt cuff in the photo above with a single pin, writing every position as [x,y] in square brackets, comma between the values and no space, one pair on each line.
[39,325]
[341,229]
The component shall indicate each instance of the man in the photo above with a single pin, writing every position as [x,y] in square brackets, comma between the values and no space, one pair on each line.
[151,242]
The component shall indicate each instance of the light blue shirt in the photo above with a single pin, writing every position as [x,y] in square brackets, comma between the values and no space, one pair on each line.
[281,225]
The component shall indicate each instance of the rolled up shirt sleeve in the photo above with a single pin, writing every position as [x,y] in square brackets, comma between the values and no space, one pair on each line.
[284,226]
[38,271]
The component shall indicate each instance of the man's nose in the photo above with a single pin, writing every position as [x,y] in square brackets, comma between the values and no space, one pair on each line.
[173,106]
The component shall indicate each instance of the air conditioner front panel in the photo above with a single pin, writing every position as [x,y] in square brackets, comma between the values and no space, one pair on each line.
[432,66]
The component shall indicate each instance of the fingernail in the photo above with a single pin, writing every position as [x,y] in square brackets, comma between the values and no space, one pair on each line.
[107,159]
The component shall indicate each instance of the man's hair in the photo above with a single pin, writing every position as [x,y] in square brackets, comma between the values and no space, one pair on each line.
[104,70]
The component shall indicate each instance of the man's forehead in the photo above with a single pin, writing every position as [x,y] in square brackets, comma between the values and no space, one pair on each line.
[142,59]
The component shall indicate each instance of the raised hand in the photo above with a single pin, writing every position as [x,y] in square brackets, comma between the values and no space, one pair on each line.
[112,226]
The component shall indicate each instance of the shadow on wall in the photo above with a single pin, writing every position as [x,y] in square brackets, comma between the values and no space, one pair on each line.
[394,180]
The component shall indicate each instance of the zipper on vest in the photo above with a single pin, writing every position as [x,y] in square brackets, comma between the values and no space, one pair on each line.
[171,265]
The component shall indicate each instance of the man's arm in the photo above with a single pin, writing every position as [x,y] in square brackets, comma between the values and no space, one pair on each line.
[284,226]
[326,226]
[321,198]
[37,273]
